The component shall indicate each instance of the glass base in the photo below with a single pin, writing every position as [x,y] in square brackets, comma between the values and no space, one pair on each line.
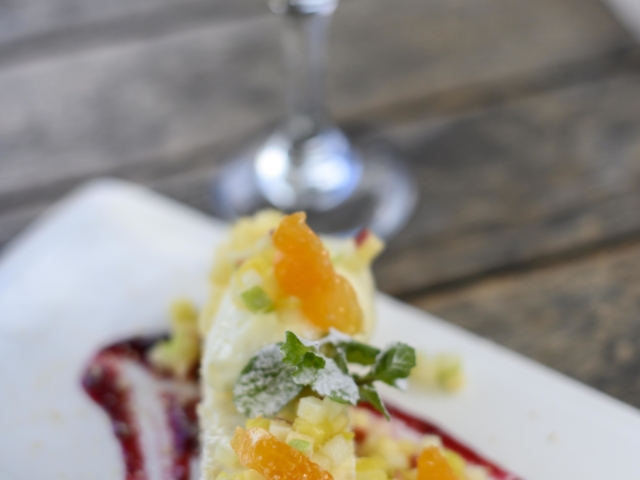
[382,200]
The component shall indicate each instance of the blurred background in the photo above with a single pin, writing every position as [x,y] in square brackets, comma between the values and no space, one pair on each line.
[519,118]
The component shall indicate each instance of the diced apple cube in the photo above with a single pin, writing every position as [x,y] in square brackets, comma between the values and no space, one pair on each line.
[312,409]
[476,472]
[250,278]
[251,475]
[449,372]
[370,463]
[360,418]
[372,475]
[408,447]
[338,449]
[226,457]
[455,461]
[430,441]
[259,422]
[280,429]
[345,471]
[321,460]
[318,432]
[392,453]
[339,423]
[333,409]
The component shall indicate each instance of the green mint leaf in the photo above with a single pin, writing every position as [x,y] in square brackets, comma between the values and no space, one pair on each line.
[393,363]
[293,349]
[343,349]
[336,354]
[357,352]
[257,300]
[311,361]
[265,385]
[341,361]
[329,381]
[278,373]
[369,394]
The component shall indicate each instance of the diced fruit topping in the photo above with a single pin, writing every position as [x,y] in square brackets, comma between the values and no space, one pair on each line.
[258,422]
[443,371]
[370,468]
[257,300]
[259,450]
[432,465]
[381,446]
[368,246]
[280,429]
[338,449]
[312,409]
[303,446]
[181,353]
[303,269]
[361,236]
[359,254]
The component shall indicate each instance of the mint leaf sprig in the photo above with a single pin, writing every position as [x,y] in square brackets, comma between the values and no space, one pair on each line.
[270,381]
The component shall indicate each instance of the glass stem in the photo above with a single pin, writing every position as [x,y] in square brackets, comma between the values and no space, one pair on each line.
[304,40]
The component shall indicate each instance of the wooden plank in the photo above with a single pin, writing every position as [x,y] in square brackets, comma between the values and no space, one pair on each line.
[41,18]
[501,188]
[580,317]
[91,112]
[60,35]
[509,185]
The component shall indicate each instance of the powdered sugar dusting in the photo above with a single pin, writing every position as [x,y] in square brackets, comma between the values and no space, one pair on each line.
[330,381]
[266,384]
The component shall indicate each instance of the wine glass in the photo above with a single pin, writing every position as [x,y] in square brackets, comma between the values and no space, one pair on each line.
[308,163]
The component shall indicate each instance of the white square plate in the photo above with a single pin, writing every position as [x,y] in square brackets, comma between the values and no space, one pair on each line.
[105,263]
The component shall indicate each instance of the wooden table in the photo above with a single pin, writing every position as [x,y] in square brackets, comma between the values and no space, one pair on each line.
[521,120]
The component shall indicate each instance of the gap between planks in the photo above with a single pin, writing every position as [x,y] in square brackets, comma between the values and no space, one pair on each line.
[576,254]
[452,102]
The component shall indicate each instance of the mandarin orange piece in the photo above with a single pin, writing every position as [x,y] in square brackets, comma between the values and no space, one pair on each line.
[275,460]
[303,269]
[433,466]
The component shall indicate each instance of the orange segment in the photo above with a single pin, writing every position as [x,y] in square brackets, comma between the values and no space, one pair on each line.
[433,466]
[303,269]
[275,460]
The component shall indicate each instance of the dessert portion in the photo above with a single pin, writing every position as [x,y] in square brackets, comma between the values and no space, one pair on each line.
[274,275]
[286,383]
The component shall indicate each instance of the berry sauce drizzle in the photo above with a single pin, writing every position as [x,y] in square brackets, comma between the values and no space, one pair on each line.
[106,383]
[104,380]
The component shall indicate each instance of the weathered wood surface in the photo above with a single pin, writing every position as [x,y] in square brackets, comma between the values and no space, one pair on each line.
[34,22]
[505,186]
[581,317]
[520,118]
[91,111]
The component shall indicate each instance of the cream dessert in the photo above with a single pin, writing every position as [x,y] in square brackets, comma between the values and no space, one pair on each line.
[273,275]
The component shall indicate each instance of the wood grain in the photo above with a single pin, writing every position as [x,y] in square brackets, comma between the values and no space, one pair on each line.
[580,317]
[88,112]
[43,20]
[505,186]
